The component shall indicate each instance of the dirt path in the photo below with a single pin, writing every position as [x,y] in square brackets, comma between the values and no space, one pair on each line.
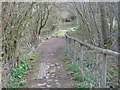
[51,72]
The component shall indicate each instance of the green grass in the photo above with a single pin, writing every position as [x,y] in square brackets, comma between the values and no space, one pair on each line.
[78,77]
[19,72]
[75,74]
[59,33]
[82,85]
[75,70]
[72,68]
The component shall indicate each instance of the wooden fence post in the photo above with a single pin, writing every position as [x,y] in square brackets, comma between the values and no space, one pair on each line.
[81,55]
[97,61]
[74,51]
[104,71]
[71,50]
[66,44]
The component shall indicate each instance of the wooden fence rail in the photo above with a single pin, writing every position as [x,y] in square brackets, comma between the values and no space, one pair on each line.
[71,48]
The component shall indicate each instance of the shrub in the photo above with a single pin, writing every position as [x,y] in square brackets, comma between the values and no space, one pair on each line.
[82,85]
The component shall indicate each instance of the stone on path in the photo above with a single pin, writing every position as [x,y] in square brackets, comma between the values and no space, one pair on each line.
[49,80]
[56,64]
[41,84]
[49,86]
[43,71]
[56,81]
[52,65]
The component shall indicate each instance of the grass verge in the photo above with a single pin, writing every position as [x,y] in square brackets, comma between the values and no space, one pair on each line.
[75,74]
[19,72]
[59,33]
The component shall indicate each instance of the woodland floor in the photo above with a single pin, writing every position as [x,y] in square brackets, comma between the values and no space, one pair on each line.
[50,70]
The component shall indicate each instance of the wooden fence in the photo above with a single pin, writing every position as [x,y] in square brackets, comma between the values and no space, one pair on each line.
[77,49]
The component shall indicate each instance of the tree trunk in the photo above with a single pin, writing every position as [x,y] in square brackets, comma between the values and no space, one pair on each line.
[104,25]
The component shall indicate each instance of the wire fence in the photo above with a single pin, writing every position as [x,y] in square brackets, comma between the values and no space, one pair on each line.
[98,66]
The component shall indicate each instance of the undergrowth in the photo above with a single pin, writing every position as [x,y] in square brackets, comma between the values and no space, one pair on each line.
[59,33]
[75,74]
[18,73]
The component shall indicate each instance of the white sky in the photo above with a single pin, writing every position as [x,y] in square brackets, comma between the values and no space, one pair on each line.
[60,0]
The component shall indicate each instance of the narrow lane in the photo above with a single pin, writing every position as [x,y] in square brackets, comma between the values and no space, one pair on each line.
[51,71]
